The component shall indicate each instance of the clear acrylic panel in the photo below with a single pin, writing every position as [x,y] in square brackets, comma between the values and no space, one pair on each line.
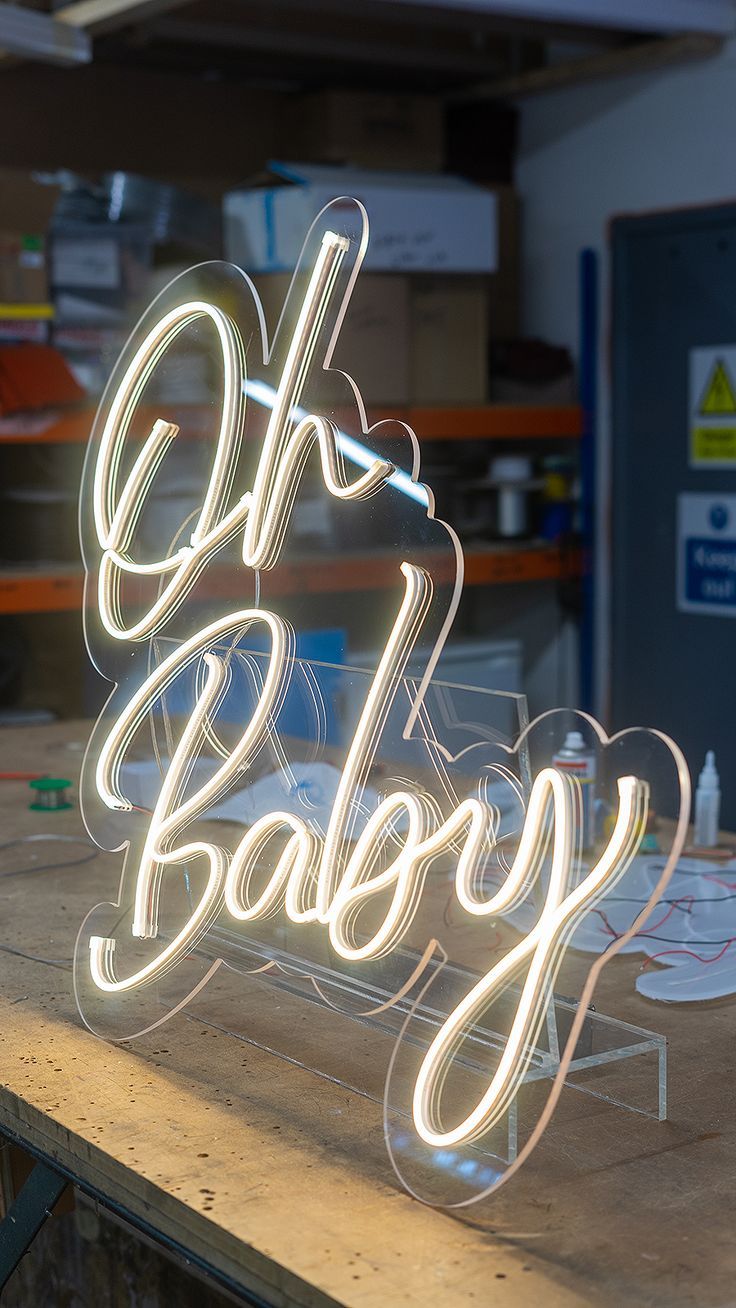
[378,874]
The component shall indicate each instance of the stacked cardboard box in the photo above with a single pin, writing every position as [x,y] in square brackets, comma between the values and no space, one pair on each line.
[440,279]
[26,208]
[408,339]
[365,129]
[453,320]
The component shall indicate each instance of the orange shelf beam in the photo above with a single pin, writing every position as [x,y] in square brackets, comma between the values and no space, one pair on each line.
[497,422]
[36,592]
[488,422]
[547,563]
[74,426]
[56,592]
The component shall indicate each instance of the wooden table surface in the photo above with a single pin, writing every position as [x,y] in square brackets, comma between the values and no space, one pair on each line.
[257,1165]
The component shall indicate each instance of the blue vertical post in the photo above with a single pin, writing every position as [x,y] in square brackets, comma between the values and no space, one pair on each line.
[588,385]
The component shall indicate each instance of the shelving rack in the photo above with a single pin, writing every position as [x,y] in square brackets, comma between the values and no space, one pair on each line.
[484,422]
[59,588]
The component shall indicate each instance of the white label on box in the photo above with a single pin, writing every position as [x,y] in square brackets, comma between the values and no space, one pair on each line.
[94,264]
[706,554]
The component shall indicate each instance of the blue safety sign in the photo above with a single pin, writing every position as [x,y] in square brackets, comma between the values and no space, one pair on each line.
[706,548]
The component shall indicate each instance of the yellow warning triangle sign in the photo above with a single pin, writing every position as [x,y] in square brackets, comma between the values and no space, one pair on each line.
[718,396]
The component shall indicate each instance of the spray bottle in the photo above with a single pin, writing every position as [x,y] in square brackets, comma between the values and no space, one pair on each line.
[579,761]
[707,805]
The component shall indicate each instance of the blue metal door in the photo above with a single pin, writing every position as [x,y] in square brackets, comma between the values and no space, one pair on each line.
[674,290]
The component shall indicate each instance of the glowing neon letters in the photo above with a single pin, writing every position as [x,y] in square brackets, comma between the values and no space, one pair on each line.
[324,882]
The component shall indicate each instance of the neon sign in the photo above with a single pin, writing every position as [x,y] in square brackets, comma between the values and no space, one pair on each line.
[357,878]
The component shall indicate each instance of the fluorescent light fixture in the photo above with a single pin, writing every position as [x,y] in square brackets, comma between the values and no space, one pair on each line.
[353,450]
[34,35]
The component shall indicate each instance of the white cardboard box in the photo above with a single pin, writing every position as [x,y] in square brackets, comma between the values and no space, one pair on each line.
[419,222]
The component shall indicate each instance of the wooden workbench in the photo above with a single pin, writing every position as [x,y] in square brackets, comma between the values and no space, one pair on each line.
[256,1166]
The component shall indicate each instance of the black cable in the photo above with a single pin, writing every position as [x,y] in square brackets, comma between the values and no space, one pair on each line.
[64,963]
[678,902]
[668,940]
[47,867]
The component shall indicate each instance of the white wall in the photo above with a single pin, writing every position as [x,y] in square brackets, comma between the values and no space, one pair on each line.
[590,153]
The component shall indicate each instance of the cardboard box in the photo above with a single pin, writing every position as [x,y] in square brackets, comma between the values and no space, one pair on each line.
[373,345]
[367,129]
[97,270]
[455,318]
[504,288]
[23,278]
[409,340]
[449,340]
[424,339]
[26,209]
[419,222]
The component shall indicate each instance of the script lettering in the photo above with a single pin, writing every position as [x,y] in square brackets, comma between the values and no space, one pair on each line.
[326,880]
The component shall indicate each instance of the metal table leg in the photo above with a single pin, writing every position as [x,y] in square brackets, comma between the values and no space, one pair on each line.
[24,1219]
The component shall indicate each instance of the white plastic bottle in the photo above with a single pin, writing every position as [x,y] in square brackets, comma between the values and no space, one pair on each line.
[580,762]
[707,805]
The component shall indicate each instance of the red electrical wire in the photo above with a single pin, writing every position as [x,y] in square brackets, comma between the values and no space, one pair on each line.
[684,899]
[729,885]
[654,926]
[690,953]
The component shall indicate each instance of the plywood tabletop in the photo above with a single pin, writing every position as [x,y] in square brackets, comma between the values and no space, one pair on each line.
[262,1168]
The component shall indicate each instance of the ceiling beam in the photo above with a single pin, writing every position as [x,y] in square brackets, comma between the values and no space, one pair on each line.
[474,21]
[714,17]
[100,16]
[338,47]
[643,57]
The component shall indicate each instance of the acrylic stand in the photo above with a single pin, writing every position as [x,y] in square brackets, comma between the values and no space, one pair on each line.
[604,1045]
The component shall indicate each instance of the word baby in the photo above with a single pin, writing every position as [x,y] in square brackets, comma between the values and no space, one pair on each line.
[325,879]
